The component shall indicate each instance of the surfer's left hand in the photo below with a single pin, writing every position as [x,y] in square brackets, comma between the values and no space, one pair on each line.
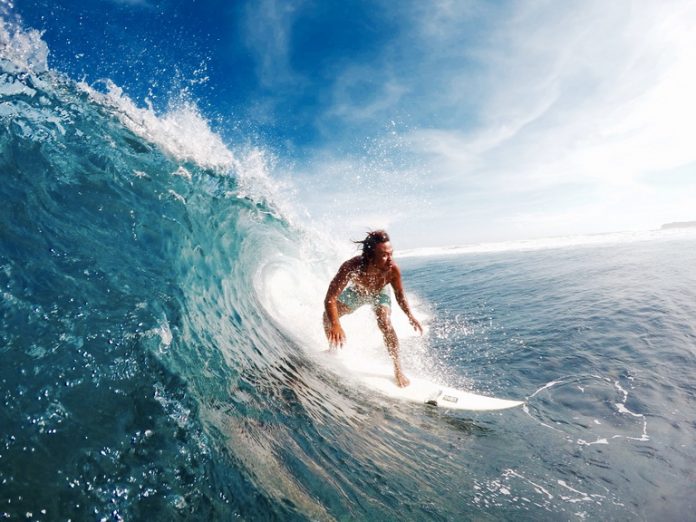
[416,325]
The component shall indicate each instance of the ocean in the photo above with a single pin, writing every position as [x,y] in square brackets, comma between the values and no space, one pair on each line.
[160,330]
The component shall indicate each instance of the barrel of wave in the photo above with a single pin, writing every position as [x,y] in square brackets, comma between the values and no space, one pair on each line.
[292,291]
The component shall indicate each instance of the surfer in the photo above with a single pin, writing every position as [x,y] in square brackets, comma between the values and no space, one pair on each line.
[369,275]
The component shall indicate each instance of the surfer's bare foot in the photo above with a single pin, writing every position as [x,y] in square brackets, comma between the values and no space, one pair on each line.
[401,380]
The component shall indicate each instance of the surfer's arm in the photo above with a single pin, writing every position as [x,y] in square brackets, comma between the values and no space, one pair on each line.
[334,331]
[398,287]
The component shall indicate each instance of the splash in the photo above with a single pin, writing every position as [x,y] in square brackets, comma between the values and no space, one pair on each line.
[21,51]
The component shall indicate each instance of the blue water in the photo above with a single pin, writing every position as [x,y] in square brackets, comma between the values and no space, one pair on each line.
[144,379]
[602,340]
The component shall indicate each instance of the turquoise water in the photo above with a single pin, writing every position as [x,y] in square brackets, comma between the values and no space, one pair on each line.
[144,376]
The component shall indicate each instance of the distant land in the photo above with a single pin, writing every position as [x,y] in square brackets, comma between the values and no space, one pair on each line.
[678,224]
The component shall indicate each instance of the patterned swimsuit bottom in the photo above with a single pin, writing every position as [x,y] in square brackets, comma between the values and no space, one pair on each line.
[354,299]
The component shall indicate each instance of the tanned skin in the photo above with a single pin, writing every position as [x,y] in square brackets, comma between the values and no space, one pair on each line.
[380,271]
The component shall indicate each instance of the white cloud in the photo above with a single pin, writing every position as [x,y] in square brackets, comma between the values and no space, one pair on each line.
[361,93]
[614,101]
[566,106]
[268,31]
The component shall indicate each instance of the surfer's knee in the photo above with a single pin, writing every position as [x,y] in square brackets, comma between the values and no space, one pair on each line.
[383,318]
[388,332]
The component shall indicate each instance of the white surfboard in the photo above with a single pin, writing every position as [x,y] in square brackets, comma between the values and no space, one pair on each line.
[423,391]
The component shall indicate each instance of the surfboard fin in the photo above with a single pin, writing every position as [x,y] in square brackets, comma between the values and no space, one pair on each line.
[432,401]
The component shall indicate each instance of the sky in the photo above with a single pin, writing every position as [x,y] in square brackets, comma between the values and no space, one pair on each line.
[447,122]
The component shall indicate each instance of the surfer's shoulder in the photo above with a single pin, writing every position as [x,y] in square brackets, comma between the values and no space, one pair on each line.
[395,274]
[352,265]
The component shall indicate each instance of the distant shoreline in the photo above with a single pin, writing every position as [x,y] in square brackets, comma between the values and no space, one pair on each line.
[678,224]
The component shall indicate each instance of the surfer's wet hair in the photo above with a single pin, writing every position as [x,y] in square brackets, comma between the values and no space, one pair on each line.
[372,239]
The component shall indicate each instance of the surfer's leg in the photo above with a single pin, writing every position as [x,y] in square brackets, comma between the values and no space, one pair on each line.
[383,314]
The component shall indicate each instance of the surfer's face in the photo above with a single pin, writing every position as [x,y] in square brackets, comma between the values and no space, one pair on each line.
[383,256]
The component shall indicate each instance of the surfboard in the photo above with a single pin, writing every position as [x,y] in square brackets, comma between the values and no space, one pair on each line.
[461,400]
[380,378]
[433,394]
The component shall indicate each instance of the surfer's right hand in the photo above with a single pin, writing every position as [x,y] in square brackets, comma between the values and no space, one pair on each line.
[337,336]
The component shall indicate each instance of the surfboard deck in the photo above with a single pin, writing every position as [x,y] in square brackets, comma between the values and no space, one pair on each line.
[433,394]
[461,400]
[423,391]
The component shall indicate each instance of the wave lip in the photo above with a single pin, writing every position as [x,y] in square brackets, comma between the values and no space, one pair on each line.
[182,132]
[129,244]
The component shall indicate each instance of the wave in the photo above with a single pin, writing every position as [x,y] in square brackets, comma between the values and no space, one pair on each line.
[159,301]
[137,344]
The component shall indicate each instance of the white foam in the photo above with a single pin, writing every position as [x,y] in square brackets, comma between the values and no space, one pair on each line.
[584,497]
[25,50]
[545,387]
[582,442]
[292,291]
[539,489]
[181,131]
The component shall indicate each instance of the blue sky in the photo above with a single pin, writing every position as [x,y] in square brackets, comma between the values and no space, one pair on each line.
[448,122]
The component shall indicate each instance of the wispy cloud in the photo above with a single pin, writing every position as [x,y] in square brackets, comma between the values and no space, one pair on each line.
[360,93]
[554,97]
[267,30]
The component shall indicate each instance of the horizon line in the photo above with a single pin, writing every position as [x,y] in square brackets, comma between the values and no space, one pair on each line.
[667,230]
